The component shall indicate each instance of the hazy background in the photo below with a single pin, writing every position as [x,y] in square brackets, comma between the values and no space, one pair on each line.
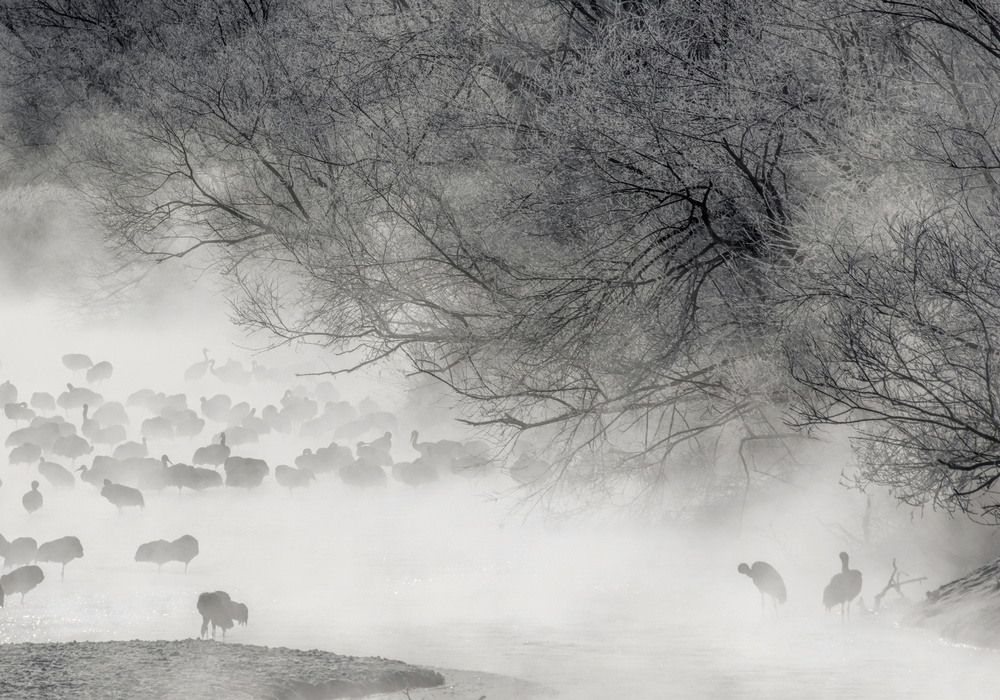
[455,575]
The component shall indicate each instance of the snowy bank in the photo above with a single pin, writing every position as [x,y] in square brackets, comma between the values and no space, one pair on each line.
[966,610]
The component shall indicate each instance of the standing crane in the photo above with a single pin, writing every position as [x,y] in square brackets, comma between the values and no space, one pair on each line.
[768,580]
[843,588]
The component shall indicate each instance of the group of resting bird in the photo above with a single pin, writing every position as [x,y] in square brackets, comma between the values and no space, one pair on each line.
[843,588]
[89,435]
[23,554]
[126,470]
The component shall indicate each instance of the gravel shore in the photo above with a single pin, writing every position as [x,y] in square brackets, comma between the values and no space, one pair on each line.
[192,669]
[197,669]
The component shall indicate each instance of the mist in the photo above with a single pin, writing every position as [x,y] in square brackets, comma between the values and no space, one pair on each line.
[459,574]
[474,571]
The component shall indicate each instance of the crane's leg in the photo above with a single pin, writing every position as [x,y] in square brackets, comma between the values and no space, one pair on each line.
[62,573]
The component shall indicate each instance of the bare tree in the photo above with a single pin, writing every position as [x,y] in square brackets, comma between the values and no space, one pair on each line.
[906,351]
[573,214]
[899,309]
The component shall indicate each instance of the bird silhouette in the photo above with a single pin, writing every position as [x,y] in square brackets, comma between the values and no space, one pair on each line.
[18,552]
[72,447]
[299,409]
[75,397]
[99,435]
[221,611]
[104,468]
[843,588]
[245,472]
[77,362]
[31,434]
[216,408]
[155,552]
[18,412]
[159,552]
[194,478]
[415,473]
[293,478]
[278,375]
[238,412]
[157,428]
[198,369]
[325,459]
[141,398]
[473,459]
[131,450]
[122,496]
[382,420]
[25,453]
[440,453]
[232,373]
[56,474]
[99,372]
[61,551]
[362,473]
[279,422]
[383,443]
[111,413]
[368,451]
[32,500]
[184,549]
[238,435]
[768,580]
[186,423]
[529,469]
[8,393]
[21,580]
[368,405]
[43,401]
[255,423]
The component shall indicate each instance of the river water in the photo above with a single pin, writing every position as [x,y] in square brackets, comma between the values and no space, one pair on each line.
[430,578]
[445,576]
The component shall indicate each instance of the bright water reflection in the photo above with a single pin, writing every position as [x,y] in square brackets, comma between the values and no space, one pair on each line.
[430,577]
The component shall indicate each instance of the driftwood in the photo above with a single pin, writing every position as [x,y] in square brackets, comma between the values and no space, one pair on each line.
[895,584]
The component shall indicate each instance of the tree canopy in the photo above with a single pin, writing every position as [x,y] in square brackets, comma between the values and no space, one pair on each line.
[652,236]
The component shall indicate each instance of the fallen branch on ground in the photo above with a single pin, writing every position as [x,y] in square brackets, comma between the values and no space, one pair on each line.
[895,584]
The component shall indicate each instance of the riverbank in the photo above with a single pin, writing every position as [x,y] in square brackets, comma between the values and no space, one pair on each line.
[193,668]
[966,611]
